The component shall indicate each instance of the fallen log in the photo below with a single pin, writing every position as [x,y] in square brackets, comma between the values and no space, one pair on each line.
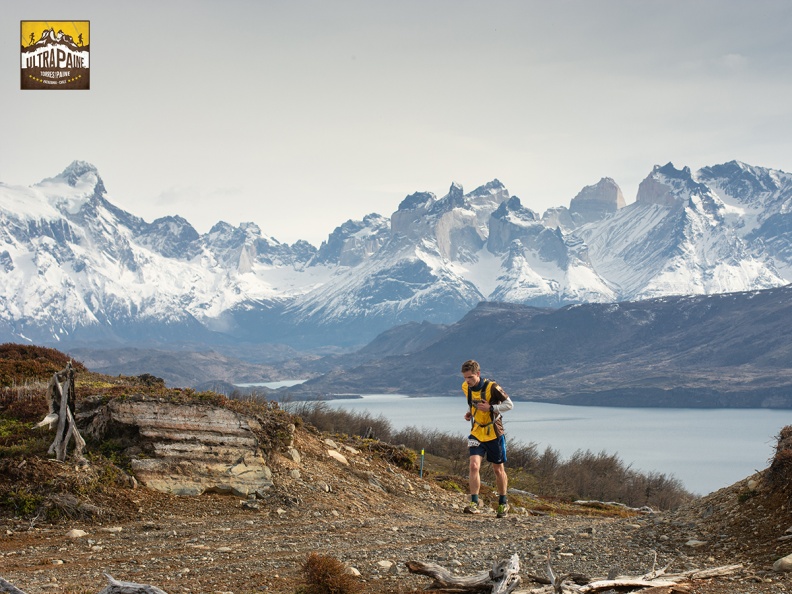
[627,582]
[647,584]
[114,587]
[8,588]
[501,579]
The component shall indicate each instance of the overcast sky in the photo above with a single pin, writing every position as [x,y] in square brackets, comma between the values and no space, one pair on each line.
[299,115]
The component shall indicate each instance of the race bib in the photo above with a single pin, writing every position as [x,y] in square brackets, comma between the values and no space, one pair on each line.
[473,443]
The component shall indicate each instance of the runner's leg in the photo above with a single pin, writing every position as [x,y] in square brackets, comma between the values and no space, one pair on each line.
[474,478]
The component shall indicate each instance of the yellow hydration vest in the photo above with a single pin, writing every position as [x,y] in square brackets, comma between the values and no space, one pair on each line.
[482,423]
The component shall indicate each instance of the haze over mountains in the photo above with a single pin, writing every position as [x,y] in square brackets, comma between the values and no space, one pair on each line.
[81,273]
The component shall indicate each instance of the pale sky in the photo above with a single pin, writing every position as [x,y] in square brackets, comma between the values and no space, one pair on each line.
[298,115]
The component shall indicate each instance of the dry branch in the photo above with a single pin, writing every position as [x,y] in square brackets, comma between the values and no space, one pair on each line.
[7,588]
[501,579]
[114,587]
[645,584]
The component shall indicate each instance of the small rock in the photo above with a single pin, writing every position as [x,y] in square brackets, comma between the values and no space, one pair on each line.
[338,456]
[385,565]
[695,543]
[352,571]
[294,455]
[75,533]
[783,564]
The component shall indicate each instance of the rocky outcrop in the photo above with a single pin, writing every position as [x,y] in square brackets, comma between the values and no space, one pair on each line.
[595,202]
[183,449]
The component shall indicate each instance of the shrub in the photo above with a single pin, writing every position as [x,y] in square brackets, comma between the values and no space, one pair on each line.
[23,502]
[21,363]
[327,575]
[584,475]
[779,474]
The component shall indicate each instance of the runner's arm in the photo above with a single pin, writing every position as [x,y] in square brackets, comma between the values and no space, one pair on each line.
[503,405]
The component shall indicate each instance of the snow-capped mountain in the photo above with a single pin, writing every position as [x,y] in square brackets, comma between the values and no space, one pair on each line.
[692,234]
[76,268]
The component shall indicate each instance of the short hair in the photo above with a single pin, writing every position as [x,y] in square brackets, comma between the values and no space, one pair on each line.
[471,366]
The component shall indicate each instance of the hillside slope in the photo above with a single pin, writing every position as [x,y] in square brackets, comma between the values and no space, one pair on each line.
[360,501]
[725,350]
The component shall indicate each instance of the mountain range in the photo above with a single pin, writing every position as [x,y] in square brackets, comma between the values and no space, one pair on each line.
[730,350]
[80,271]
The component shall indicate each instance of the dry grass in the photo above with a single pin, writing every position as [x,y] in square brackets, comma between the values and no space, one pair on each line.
[323,574]
[585,475]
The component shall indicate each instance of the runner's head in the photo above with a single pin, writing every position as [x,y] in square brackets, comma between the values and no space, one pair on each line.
[471,372]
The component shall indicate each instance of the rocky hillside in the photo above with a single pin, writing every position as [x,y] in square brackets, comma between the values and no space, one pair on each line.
[274,490]
[357,506]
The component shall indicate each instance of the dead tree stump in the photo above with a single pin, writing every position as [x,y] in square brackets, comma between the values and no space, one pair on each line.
[61,398]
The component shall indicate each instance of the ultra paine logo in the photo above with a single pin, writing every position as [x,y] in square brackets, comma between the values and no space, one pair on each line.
[56,55]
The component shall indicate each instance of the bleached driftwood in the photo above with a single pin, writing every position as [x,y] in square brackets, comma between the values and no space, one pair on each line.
[624,582]
[7,588]
[114,587]
[61,397]
[646,583]
[501,579]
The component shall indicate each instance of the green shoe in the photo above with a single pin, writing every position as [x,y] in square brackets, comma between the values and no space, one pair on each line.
[503,509]
[472,508]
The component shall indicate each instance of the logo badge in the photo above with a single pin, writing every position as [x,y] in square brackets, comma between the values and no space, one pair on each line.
[56,55]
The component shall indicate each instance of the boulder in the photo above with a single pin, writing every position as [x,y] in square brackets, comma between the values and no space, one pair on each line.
[183,449]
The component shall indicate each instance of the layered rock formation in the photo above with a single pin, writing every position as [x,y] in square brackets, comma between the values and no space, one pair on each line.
[183,449]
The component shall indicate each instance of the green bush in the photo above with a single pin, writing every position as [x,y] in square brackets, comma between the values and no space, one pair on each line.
[22,502]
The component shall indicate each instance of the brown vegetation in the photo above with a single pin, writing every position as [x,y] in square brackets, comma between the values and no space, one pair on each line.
[323,574]
[40,497]
[585,475]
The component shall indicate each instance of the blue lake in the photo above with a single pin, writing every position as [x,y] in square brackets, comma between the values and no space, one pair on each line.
[706,449]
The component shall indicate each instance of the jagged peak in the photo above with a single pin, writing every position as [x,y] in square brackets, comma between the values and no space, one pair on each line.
[670,171]
[221,227]
[176,219]
[602,197]
[417,200]
[76,170]
[489,188]
[513,206]
[666,186]
[742,180]
[250,228]
[455,196]
[175,225]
